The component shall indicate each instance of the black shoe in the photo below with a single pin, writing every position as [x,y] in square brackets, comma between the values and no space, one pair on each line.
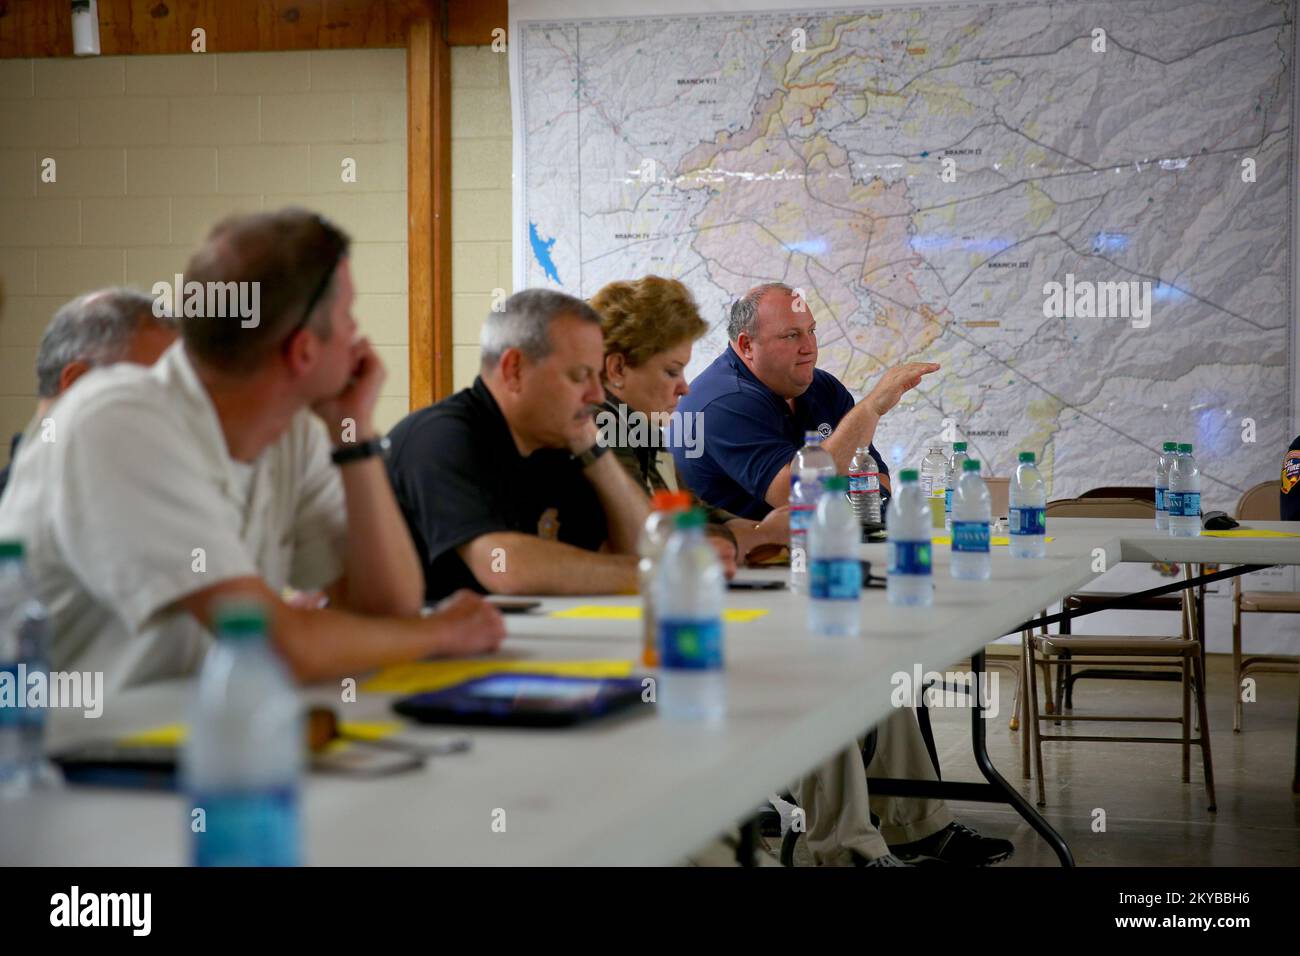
[956,845]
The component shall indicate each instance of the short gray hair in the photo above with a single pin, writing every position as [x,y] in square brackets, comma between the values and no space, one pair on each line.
[744,311]
[524,323]
[95,328]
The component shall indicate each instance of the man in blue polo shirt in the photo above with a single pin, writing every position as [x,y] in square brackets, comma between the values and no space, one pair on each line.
[760,396]
[758,399]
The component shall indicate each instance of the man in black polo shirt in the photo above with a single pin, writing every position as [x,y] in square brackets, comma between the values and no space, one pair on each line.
[503,485]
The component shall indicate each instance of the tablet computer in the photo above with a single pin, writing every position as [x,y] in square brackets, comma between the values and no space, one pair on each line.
[108,764]
[525,700]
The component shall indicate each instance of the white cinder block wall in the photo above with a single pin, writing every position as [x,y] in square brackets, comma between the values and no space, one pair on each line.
[152,150]
[480,197]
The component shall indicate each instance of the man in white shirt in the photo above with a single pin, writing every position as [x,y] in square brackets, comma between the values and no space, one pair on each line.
[150,495]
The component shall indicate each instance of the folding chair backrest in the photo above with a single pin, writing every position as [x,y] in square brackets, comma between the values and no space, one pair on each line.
[999,495]
[1101,508]
[1261,503]
[1140,492]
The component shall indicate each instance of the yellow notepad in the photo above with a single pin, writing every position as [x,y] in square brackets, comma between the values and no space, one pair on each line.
[632,612]
[421,676]
[994,540]
[1249,533]
[173,735]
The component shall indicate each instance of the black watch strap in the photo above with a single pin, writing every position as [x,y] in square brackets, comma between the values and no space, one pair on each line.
[590,455]
[360,450]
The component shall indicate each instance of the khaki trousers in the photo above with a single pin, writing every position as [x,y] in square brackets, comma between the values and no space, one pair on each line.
[837,805]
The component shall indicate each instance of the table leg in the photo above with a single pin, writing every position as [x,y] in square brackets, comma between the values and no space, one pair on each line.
[1012,796]
[1025,709]
[745,848]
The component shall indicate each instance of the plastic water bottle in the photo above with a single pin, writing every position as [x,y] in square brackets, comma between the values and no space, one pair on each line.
[933,466]
[1184,495]
[972,513]
[689,588]
[1027,510]
[812,461]
[812,465]
[951,475]
[910,580]
[24,651]
[1163,461]
[654,538]
[835,573]
[864,486]
[803,504]
[242,762]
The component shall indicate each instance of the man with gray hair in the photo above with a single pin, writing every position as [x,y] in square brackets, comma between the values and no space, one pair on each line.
[760,397]
[764,392]
[504,485]
[93,330]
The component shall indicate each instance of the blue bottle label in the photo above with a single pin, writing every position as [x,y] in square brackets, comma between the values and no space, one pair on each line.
[860,482]
[947,501]
[909,557]
[1174,502]
[1028,521]
[247,828]
[970,536]
[690,643]
[800,517]
[16,708]
[1184,504]
[835,579]
[1161,503]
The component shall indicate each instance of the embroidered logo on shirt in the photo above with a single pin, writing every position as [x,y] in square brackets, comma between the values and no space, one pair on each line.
[1290,471]
[824,430]
[548,525]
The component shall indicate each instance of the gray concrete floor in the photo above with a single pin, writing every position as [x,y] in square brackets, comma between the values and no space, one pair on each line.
[1152,817]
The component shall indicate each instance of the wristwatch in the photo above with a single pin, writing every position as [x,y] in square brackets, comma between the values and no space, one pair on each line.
[360,450]
[590,455]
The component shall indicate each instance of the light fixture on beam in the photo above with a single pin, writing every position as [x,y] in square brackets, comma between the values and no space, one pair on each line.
[85,27]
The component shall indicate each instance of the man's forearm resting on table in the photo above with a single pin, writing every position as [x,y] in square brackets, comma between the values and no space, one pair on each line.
[319,644]
[508,562]
[382,572]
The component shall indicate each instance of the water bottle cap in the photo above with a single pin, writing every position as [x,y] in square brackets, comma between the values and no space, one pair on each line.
[1184,449]
[959,446]
[690,518]
[10,550]
[665,500]
[970,464]
[1170,446]
[909,474]
[1027,456]
[240,617]
[836,483]
[812,438]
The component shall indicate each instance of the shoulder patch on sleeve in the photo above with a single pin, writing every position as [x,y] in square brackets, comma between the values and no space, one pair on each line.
[1290,470]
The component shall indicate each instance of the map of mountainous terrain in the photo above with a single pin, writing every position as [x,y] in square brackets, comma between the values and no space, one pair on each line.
[921,174]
